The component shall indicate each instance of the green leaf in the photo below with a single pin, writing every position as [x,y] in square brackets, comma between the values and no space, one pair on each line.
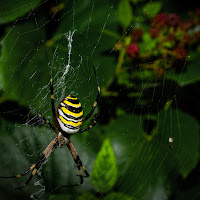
[21,59]
[105,172]
[1,82]
[184,130]
[24,64]
[147,44]
[168,44]
[145,160]
[86,195]
[191,72]
[136,1]
[117,196]
[151,9]
[15,9]
[59,197]
[124,12]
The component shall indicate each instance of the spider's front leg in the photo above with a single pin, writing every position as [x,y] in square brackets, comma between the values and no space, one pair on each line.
[79,164]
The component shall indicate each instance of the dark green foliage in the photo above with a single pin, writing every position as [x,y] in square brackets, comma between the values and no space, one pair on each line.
[146,55]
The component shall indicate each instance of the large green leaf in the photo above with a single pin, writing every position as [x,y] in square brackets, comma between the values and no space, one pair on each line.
[146,160]
[21,60]
[26,55]
[117,196]
[15,9]
[105,172]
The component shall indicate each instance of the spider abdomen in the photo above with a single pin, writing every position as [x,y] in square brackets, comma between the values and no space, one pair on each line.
[70,114]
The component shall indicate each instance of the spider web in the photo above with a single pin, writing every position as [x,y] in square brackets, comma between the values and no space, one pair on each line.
[77,33]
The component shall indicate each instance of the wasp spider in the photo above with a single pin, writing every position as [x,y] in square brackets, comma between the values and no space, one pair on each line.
[67,118]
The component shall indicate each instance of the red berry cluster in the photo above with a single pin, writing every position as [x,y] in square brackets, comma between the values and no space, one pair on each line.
[160,20]
[170,27]
[133,50]
[170,37]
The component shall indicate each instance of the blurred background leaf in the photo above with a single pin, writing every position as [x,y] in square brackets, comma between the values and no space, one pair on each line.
[125,13]
[152,8]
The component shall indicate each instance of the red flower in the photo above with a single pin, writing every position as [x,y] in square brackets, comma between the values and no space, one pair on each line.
[174,19]
[154,31]
[132,50]
[160,20]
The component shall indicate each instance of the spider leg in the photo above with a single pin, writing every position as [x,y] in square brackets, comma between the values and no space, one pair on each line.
[41,160]
[97,98]
[19,175]
[45,120]
[35,167]
[37,164]
[90,126]
[79,164]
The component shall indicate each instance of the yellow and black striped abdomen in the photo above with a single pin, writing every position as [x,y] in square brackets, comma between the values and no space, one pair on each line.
[70,114]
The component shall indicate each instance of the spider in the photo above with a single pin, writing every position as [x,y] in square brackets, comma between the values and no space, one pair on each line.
[67,118]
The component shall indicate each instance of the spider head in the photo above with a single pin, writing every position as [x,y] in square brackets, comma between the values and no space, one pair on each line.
[62,140]
[70,114]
